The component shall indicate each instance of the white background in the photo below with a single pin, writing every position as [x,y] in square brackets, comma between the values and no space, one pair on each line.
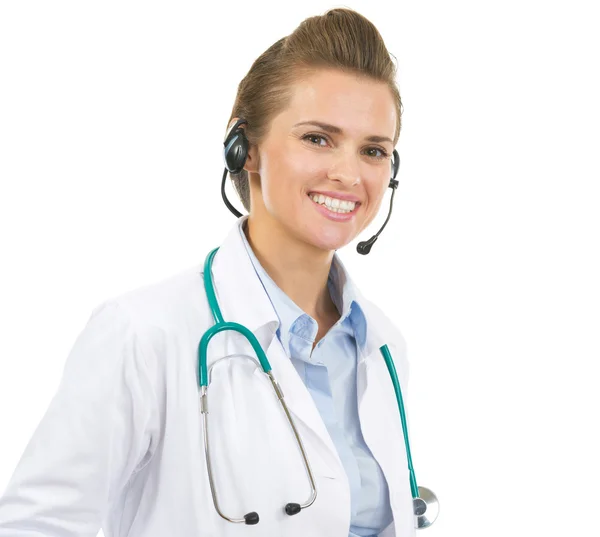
[112,116]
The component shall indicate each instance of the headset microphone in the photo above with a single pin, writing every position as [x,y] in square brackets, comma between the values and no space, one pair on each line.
[236,151]
[364,247]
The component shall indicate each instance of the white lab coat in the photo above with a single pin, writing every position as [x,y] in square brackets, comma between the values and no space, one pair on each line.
[121,444]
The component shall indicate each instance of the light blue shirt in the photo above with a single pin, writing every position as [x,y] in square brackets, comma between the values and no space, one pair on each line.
[329,373]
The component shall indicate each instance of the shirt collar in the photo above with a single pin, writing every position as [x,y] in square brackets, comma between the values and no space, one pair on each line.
[342,291]
[232,273]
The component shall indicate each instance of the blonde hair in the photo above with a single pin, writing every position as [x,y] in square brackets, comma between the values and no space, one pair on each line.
[340,39]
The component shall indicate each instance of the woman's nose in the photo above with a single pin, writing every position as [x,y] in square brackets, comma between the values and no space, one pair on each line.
[345,168]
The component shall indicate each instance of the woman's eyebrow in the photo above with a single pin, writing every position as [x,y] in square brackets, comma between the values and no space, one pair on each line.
[336,130]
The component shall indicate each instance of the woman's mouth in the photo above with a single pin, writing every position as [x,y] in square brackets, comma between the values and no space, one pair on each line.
[333,208]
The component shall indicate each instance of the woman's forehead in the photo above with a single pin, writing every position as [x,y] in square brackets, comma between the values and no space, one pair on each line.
[342,99]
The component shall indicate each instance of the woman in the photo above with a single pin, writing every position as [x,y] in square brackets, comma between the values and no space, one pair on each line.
[122,444]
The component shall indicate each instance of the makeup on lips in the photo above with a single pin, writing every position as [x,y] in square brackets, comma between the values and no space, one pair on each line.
[335,208]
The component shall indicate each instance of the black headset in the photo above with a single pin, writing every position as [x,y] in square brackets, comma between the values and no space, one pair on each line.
[235,154]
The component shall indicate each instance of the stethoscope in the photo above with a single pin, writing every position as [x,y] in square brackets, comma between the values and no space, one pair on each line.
[425,503]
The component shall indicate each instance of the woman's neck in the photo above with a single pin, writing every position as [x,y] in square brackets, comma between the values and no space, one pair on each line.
[298,269]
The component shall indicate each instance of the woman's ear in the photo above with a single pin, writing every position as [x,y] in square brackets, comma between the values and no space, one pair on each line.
[252,160]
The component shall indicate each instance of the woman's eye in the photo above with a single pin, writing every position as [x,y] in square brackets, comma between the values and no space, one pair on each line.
[371,151]
[312,137]
[382,153]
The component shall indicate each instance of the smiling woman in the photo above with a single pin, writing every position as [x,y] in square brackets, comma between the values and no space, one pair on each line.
[303,416]
[309,149]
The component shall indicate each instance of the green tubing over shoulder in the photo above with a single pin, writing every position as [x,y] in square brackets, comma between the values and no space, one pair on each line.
[392,370]
[210,289]
[219,327]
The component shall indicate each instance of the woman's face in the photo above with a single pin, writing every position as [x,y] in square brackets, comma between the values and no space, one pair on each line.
[335,141]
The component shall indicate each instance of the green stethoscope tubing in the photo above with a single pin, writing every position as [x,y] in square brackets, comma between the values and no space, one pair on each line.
[392,371]
[221,326]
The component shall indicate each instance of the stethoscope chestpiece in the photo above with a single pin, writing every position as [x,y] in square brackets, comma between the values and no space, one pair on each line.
[426,508]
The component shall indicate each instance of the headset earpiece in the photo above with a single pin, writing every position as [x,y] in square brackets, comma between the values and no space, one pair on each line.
[236,147]
[395,166]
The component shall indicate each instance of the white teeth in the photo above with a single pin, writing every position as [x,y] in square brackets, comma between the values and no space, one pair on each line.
[334,204]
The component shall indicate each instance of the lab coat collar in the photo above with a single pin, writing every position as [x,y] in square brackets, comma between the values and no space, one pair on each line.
[240,294]
[243,300]
[379,328]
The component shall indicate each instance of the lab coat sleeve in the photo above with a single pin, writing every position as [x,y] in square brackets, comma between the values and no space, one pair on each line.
[98,431]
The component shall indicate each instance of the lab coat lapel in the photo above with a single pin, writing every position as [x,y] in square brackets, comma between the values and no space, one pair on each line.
[243,300]
[379,415]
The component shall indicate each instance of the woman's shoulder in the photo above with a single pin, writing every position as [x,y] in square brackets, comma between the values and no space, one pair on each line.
[163,305]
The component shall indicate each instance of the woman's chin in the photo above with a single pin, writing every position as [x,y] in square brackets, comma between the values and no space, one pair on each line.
[324,236]
[330,242]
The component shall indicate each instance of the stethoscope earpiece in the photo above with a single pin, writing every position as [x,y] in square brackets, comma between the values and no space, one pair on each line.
[251,518]
[292,509]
